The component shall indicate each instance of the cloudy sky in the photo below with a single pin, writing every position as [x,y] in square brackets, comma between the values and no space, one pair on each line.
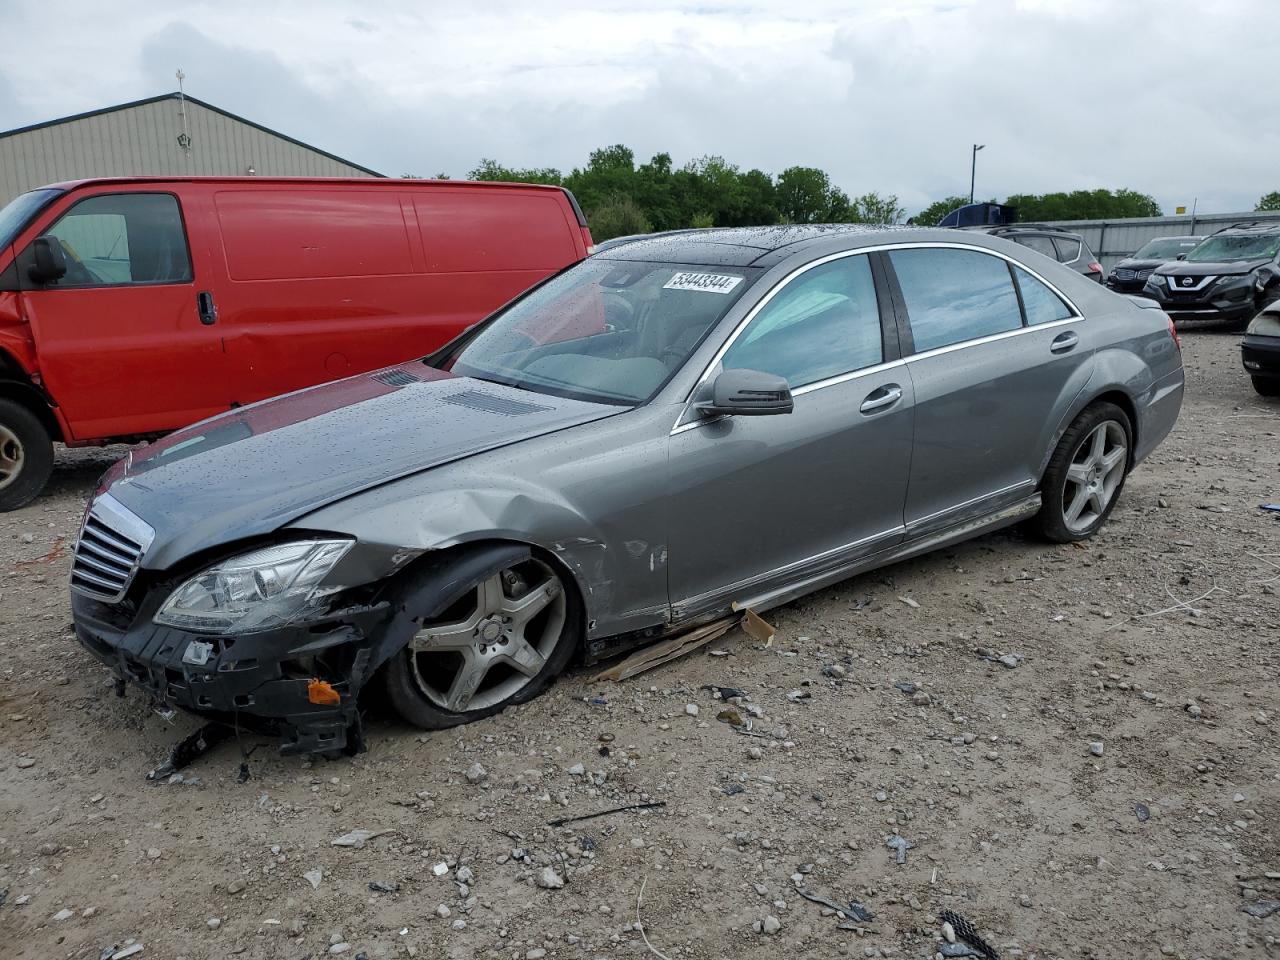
[1176,98]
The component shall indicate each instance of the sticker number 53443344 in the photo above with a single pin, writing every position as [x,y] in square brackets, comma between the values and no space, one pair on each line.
[706,282]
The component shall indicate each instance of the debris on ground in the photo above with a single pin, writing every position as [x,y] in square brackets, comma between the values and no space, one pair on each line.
[965,932]
[756,627]
[190,748]
[853,910]
[1261,908]
[1142,812]
[357,838]
[899,845]
[656,655]
[604,813]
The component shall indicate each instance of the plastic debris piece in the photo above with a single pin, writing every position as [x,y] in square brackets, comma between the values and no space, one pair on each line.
[322,694]
[965,931]
[899,845]
[666,651]
[1262,908]
[190,748]
[357,838]
[756,627]
[1142,812]
[1270,507]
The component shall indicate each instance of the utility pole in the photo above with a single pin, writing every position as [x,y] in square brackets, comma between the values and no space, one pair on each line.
[973,168]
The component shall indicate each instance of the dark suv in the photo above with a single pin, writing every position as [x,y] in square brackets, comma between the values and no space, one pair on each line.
[1062,245]
[1228,277]
[1130,274]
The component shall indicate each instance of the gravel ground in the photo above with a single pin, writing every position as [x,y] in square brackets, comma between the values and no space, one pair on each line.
[1116,793]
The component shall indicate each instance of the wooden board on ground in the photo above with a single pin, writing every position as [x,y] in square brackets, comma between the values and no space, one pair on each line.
[667,650]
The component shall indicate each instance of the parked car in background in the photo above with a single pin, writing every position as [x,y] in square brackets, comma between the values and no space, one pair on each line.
[1130,274]
[551,485]
[131,307]
[1062,245]
[1227,278]
[1260,350]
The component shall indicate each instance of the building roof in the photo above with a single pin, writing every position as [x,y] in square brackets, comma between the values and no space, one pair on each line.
[190,99]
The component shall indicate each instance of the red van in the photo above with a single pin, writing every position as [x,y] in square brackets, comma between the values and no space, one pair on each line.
[131,307]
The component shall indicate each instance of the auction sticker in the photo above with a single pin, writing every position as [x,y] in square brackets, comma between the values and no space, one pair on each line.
[706,282]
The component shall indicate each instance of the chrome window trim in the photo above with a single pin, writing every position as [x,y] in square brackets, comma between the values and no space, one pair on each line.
[680,425]
[991,338]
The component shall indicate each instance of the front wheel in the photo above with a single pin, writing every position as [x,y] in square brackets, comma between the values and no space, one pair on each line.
[1267,386]
[26,455]
[1086,474]
[503,643]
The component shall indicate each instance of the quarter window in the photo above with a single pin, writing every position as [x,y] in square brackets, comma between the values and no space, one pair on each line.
[1038,244]
[822,324]
[1041,303]
[123,239]
[1068,249]
[955,295]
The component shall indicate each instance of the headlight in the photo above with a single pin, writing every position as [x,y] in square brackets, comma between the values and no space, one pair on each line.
[1155,280]
[267,588]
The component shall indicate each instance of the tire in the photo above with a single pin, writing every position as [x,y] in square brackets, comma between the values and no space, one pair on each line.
[26,455]
[1085,475]
[1267,386]
[505,642]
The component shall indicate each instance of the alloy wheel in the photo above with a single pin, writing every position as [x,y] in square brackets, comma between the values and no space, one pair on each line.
[1094,476]
[11,456]
[494,642]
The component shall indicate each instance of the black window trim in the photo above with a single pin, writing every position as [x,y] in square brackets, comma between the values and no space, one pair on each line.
[23,257]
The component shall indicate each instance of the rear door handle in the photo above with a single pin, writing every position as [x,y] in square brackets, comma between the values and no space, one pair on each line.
[881,397]
[207,309]
[1064,342]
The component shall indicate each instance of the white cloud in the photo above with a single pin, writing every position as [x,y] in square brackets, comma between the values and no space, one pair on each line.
[1170,97]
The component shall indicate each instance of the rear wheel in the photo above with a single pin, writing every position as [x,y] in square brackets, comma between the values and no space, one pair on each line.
[503,643]
[1267,386]
[1086,474]
[26,455]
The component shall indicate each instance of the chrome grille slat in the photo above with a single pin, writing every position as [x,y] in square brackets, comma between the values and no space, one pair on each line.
[109,551]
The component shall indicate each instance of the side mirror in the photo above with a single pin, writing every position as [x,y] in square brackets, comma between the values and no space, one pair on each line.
[1182,256]
[747,393]
[50,260]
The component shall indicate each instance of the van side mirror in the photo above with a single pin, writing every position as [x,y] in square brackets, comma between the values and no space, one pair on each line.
[50,260]
[747,393]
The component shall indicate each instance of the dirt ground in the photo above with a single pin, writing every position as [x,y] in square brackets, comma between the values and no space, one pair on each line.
[1154,847]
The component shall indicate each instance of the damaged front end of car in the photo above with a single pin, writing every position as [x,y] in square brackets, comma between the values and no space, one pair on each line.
[276,638]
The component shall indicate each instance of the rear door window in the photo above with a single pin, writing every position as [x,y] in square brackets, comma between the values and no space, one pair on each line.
[1038,244]
[1068,249]
[1041,304]
[123,240]
[955,295]
[822,324]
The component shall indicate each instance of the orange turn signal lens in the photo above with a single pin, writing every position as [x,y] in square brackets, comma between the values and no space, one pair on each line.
[321,693]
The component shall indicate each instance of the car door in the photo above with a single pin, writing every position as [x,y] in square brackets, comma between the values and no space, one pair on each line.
[119,337]
[757,501]
[993,349]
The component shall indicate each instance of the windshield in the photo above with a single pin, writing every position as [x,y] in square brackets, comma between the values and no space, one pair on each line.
[1236,246]
[19,210]
[1166,248]
[609,331]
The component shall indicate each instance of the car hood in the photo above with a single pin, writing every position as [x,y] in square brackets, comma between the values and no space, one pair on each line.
[1225,268]
[1128,263]
[252,470]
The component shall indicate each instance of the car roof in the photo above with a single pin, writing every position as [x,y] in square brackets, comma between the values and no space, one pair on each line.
[744,246]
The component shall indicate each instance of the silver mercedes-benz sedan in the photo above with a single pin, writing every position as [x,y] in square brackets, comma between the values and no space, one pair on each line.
[683,426]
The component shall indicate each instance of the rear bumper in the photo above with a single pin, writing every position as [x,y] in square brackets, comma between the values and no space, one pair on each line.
[1261,356]
[259,681]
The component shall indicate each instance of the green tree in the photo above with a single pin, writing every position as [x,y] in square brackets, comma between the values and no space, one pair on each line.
[492,170]
[759,200]
[930,215]
[619,216]
[1270,201]
[873,208]
[807,195]
[1084,205]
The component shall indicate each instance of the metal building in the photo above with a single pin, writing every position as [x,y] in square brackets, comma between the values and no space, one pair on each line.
[168,135]
[1113,240]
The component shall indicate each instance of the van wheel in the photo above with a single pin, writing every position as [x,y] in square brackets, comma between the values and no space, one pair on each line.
[1086,474]
[504,642]
[26,455]
[1267,386]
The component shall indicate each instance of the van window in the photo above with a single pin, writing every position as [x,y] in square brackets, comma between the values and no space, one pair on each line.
[476,229]
[123,239]
[955,295]
[313,234]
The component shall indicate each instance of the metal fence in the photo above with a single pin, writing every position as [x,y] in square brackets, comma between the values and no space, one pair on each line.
[1113,240]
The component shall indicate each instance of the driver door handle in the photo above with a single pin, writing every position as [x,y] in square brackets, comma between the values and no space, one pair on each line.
[881,397]
[1064,342]
[207,309]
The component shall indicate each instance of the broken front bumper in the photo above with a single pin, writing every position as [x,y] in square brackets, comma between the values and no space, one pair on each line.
[261,682]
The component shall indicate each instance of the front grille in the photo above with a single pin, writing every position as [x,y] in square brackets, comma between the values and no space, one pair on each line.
[1143,274]
[112,542]
[1124,273]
